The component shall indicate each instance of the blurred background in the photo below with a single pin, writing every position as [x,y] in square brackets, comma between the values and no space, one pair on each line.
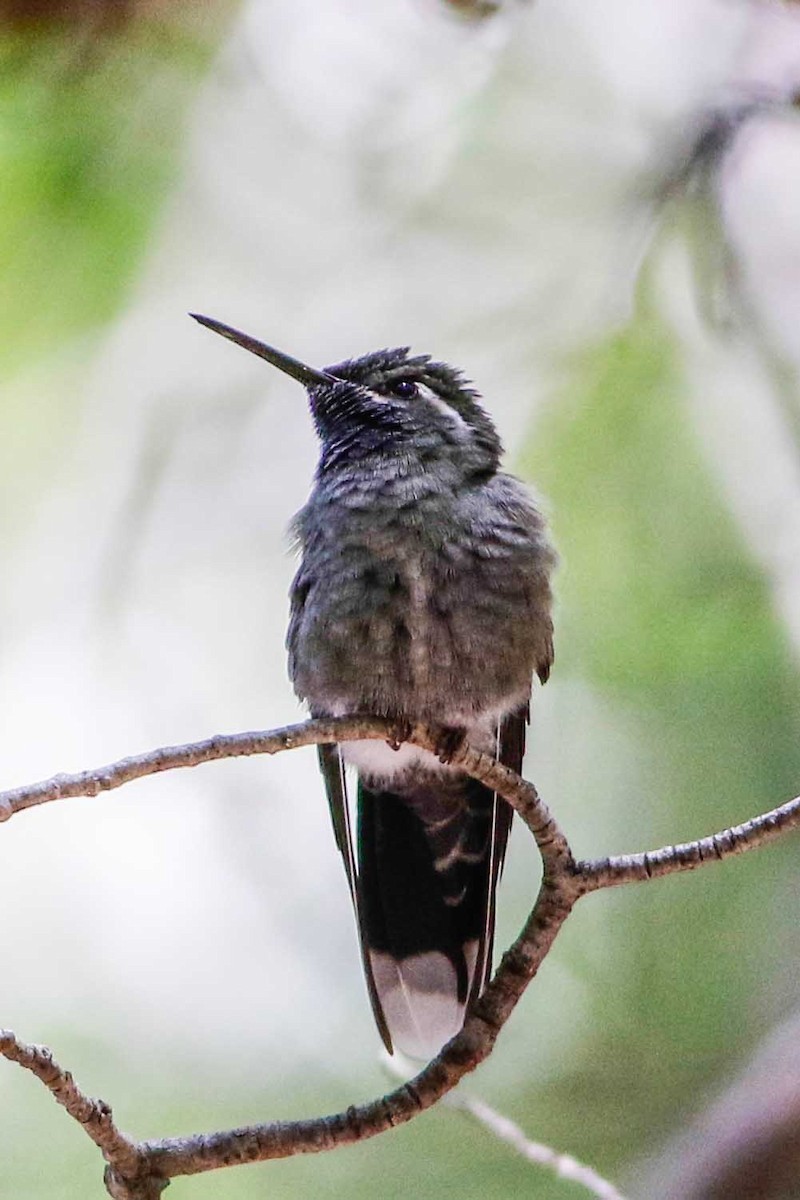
[593,210]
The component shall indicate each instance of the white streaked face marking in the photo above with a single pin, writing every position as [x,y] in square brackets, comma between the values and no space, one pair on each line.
[456,420]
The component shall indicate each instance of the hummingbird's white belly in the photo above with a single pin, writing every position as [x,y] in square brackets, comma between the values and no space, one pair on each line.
[379,760]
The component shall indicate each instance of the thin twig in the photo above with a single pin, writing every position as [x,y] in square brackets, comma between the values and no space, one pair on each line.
[563,1166]
[94,1115]
[520,794]
[687,856]
[168,758]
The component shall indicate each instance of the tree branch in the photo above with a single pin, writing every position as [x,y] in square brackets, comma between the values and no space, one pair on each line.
[687,856]
[141,1170]
[94,1115]
[563,1166]
[520,794]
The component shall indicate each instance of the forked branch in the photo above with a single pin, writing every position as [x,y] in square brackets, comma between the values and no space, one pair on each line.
[141,1170]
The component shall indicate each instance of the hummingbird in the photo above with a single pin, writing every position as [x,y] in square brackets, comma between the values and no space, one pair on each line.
[422,595]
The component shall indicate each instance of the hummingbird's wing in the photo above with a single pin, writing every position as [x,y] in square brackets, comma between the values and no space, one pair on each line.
[332,768]
[511,751]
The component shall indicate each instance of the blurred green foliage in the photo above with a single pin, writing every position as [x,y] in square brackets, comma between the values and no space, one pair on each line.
[88,144]
[664,614]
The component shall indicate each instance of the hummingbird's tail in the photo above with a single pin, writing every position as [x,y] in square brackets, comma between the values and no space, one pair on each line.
[423,882]
[428,863]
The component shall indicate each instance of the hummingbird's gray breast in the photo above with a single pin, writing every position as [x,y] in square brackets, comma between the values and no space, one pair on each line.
[434,610]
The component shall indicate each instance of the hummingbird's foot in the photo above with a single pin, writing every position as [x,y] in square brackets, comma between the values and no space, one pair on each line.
[451,739]
[400,734]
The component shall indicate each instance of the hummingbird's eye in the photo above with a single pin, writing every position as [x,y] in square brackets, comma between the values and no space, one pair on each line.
[405,389]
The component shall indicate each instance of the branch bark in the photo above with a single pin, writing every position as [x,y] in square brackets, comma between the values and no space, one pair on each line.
[141,1170]
[94,1115]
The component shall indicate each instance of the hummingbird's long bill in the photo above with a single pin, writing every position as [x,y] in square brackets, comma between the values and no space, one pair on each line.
[304,374]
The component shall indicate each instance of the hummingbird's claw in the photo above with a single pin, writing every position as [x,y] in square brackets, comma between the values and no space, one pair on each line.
[401,733]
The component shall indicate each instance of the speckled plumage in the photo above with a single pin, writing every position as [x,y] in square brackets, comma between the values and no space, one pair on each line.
[423,593]
[424,585]
[419,595]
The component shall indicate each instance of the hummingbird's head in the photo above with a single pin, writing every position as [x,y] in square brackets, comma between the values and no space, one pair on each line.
[388,401]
